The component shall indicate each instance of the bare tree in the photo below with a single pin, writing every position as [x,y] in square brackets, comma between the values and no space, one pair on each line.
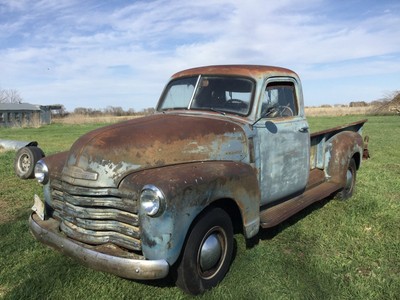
[2,96]
[148,111]
[131,112]
[81,111]
[10,96]
[114,111]
[87,111]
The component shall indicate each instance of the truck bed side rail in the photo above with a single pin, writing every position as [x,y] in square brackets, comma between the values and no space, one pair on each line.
[318,142]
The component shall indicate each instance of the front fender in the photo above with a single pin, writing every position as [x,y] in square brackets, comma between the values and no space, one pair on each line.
[340,149]
[189,189]
[55,163]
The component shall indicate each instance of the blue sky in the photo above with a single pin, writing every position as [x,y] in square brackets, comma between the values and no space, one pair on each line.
[121,53]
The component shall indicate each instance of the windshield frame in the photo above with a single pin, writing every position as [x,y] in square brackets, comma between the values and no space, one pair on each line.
[207,77]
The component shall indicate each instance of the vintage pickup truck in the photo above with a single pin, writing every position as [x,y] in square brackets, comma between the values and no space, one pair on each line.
[228,149]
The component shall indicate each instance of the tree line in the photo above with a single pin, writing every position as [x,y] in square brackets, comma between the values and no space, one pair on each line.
[13,96]
[112,111]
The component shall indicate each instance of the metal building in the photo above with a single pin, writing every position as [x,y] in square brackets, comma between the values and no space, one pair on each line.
[25,114]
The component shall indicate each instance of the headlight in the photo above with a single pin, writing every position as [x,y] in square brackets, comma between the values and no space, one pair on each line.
[41,172]
[152,200]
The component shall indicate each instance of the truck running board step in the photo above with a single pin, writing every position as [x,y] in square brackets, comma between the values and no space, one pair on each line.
[276,214]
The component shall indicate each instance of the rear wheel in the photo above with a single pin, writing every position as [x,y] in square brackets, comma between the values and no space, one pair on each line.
[351,175]
[207,254]
[25,160]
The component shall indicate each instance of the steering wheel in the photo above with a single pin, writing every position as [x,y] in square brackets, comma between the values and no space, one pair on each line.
[236,102]
[285,111]
[279,111]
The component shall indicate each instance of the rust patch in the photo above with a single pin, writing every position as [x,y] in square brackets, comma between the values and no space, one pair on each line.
[241,70]
[155,142]
[343,146]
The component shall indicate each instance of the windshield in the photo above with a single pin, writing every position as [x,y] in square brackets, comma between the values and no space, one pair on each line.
[216,93]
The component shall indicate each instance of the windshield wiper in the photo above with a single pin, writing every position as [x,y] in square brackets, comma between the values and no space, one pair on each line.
[218,111]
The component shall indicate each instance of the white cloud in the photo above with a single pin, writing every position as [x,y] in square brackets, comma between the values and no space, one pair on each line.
[64,51]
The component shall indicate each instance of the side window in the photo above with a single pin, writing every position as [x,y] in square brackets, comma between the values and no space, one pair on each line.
[279,100]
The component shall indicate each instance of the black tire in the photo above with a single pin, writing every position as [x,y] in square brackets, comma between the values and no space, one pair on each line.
[351,175]
[196,273]
[25,160]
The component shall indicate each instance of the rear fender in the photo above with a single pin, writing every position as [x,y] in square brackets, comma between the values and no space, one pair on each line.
[189,189]
[340,149]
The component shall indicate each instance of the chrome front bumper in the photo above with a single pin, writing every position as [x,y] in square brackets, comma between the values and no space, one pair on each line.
[47,232]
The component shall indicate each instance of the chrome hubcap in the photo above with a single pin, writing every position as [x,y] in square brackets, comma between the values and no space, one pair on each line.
[210,252]
[349,179]
[25,163]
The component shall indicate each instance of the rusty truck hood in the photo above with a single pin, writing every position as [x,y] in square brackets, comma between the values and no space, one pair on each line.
[104,156]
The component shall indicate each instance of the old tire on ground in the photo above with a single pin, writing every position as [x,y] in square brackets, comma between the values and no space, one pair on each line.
[351,175]
[207,254]
[25,160]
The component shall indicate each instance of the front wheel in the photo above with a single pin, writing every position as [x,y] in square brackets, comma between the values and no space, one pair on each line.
[207,254]
[351,174]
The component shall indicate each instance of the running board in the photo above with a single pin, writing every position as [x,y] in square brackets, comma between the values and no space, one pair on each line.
[276,214]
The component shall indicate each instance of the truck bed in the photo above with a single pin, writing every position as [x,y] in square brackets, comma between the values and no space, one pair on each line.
[318,141]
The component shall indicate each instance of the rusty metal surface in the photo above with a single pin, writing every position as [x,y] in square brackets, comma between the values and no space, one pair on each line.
[96,216]
[253,71]
[315,178]
[195,159]
[284,157]
[55,163]
[107,259]
[112,152]
[321,143]
[274,215]
[189,189]
[340,148]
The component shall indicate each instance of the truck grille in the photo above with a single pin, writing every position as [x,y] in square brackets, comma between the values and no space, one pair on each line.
[97,216]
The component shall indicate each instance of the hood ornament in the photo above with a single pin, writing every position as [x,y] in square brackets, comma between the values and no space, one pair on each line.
[78,173]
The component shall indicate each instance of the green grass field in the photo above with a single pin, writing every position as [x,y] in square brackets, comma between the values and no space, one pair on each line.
[331,250]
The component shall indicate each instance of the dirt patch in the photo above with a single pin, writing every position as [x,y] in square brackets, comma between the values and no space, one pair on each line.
[4,215]
[4,290]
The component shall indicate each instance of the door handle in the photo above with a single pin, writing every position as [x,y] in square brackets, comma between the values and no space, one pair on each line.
[304,129]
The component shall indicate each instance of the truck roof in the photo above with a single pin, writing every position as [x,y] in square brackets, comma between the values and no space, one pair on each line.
[254,71]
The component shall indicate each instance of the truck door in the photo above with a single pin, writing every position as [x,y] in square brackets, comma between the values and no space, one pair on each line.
[284,141]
